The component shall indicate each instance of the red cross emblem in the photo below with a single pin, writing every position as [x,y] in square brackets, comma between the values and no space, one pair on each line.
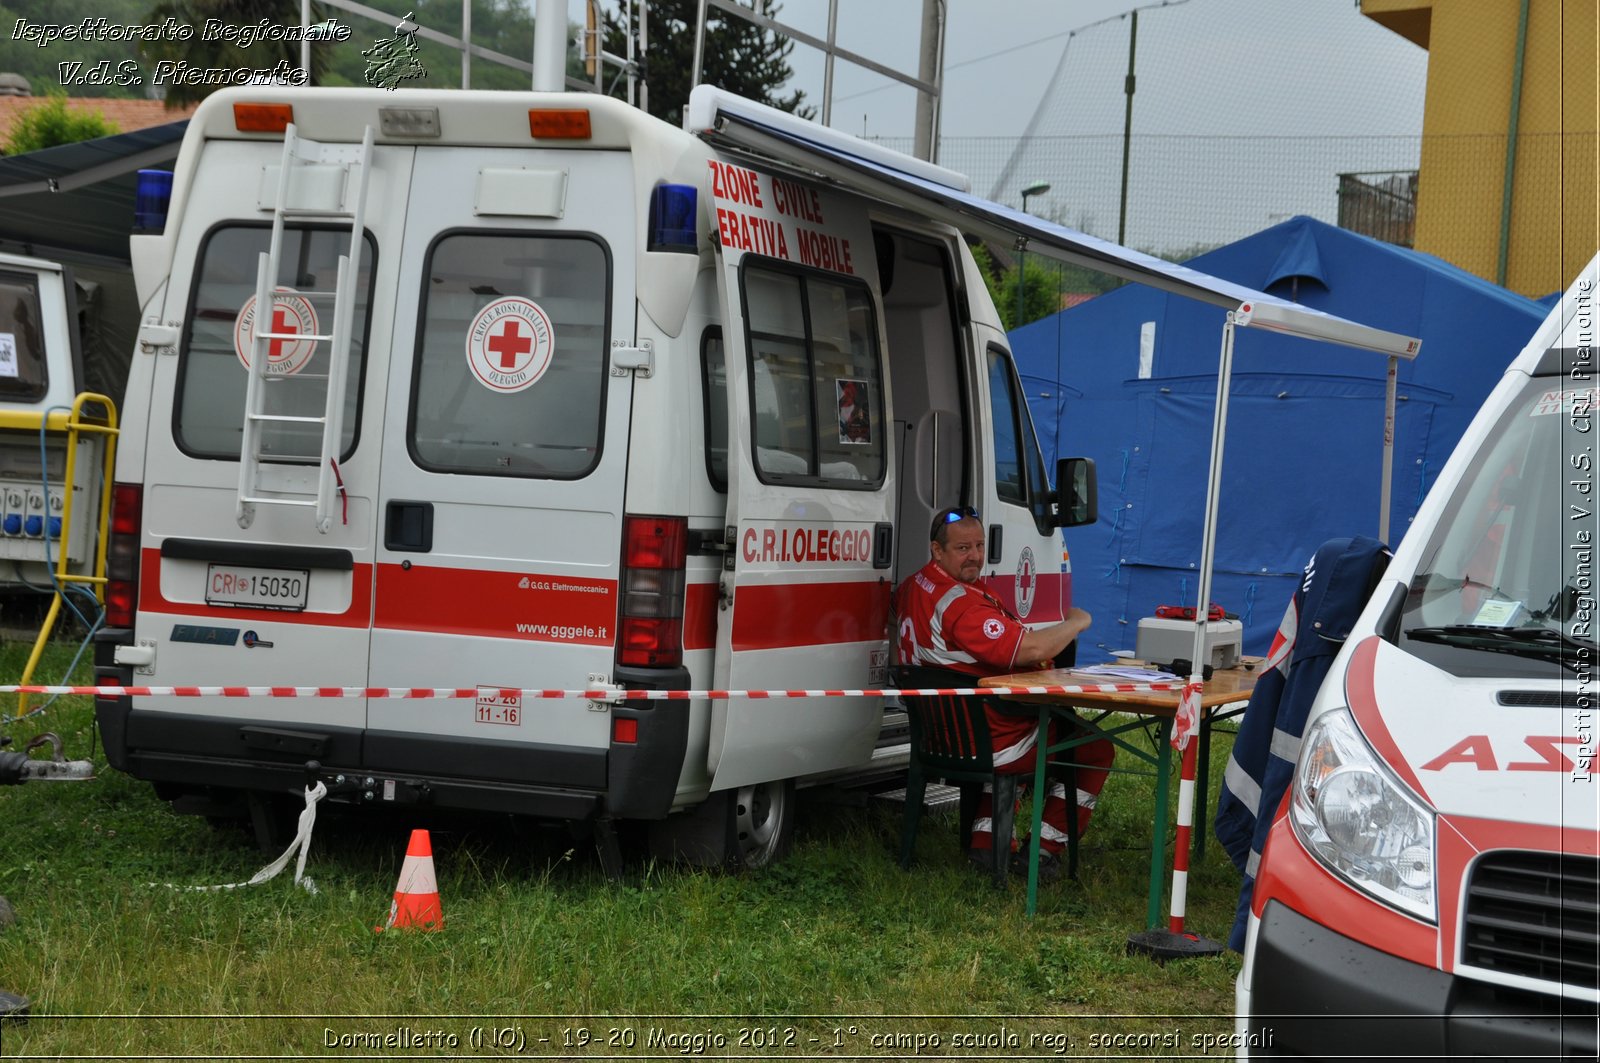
[292,316]
[1025,582]
[509,344]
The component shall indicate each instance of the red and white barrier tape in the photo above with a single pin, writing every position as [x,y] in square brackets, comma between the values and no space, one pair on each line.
[472,693]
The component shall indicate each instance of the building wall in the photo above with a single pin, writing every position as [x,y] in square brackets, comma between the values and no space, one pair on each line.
[1466,119]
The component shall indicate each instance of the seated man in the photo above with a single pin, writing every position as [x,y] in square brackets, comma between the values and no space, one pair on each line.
[947,620]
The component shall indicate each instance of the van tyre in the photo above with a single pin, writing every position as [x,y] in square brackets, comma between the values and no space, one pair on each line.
[733,830]
[763,823]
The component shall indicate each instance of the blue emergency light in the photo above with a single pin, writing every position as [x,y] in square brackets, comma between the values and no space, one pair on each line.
[151,197]
[672,219]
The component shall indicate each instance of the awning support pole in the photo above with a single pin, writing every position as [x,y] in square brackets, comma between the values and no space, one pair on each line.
[1388,449]
[1174,942]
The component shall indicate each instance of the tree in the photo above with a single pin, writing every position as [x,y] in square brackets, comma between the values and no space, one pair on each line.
[1045,282]
[238,53]
[739,56]
[50,123]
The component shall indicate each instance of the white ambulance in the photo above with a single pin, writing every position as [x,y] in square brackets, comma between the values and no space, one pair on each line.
[1431,885]
[592,402]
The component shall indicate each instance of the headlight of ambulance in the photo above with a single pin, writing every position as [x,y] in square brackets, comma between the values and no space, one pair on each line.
[1351,814]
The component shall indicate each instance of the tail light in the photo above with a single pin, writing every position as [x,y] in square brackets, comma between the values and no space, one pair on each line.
[122,554]
[653,561]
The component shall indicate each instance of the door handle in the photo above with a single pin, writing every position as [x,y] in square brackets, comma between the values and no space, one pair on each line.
[408,526]
[996,542]
[882,545]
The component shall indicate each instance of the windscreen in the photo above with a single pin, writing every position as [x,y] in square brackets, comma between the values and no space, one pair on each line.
[1507,582]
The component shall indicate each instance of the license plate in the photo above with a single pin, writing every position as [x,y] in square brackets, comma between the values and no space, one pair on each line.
[258,588]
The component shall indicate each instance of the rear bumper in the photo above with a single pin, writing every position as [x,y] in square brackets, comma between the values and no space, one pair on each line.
[195,751]
[1314,993]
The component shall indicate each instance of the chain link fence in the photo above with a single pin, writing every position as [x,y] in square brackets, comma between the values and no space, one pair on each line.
[1248,112]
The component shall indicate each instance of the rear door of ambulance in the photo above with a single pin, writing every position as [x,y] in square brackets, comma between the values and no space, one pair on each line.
[805,591]
[278,602]
[499,508]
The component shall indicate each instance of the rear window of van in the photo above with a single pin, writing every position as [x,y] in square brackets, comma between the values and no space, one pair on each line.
[219,340]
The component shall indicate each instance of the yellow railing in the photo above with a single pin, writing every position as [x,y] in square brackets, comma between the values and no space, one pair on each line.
[74,424]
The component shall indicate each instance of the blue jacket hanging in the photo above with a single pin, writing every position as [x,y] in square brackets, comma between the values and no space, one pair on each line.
[1336,585]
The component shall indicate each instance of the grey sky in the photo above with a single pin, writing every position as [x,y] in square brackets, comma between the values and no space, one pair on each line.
[1348,75]
[1247,108]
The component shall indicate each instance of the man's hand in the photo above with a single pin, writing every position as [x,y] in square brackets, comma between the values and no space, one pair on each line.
[1044,645]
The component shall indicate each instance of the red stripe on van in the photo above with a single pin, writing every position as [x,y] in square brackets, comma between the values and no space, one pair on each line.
[1361,691]
[359,614]
[772,616]
[700,616]
[537,607]
[1462,838]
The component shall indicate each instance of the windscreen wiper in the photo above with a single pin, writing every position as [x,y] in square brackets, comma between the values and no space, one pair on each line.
[1541,643]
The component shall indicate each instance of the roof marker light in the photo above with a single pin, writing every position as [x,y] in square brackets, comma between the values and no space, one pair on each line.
[262,117]
[559,123]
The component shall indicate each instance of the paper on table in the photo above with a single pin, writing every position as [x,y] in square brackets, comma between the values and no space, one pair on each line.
[1124,671]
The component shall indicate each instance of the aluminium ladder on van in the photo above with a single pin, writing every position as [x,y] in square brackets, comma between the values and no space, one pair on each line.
[316,182]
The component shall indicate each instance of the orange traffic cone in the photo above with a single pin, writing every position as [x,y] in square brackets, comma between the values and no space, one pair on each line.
[416,896]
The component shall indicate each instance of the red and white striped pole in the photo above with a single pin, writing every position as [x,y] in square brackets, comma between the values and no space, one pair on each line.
[1180,855]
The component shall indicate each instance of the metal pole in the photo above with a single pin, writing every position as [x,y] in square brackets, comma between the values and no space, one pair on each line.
[1388,448]
[1022,251]
[1208,538]
[305,38]
[827,62]
[1509,182]
[627,28]
[928,70]
[550,46]
[1174,942]
[644,50]
[466,44]
[1127,130]
[699,46]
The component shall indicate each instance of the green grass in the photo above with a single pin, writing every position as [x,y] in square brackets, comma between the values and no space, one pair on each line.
[836,939]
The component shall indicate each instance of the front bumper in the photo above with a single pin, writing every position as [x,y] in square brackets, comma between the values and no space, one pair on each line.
[1314,993]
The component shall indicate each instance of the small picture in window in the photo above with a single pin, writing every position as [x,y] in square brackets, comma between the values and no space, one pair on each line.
[8,355]
[854,425]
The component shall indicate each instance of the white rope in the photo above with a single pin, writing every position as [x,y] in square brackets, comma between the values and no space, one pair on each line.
[301,845]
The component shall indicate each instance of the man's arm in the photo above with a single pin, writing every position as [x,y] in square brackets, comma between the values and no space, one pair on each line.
[1038,649]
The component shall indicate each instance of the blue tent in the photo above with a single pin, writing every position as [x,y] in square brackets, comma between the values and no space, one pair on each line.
[1129,379]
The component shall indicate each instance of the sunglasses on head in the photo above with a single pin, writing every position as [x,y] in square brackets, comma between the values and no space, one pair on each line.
[951,516]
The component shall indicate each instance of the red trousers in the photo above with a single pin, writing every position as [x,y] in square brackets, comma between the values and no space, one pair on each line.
[1092,761]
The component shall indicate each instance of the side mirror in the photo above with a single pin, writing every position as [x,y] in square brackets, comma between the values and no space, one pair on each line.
[1077,493]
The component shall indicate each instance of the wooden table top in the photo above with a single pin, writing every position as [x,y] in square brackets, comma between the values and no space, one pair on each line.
[1226,686]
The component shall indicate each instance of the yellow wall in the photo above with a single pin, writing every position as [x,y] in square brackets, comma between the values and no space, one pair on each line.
[1471,46]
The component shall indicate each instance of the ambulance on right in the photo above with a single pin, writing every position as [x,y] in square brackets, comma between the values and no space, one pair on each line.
[1431,884]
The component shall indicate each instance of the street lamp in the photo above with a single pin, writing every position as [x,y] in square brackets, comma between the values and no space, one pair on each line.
[1037,189]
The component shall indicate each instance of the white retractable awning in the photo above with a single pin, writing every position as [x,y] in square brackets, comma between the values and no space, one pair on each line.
[733,124]
[730,122]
